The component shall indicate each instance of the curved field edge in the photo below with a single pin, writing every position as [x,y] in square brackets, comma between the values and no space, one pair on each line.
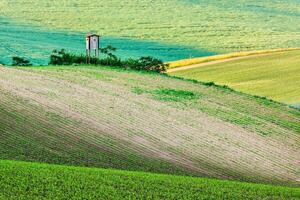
[274,75]
[25,45]
[34,181]
[210,25]
[106,117]
[224,57]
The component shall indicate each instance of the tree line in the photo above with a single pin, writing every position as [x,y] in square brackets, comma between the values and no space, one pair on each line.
[62,57]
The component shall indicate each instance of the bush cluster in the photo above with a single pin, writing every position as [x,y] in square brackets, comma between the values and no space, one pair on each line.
[145,63]
[18,61]
[61,57]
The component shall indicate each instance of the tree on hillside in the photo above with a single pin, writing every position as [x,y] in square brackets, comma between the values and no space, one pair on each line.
[149,63]
[108,50]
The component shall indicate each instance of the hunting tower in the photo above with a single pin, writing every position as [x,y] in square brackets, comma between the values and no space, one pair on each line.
[92,45]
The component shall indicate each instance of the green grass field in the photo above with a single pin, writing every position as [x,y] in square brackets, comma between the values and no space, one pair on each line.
[20,180]
[276,76]
[214,26]
[112,118]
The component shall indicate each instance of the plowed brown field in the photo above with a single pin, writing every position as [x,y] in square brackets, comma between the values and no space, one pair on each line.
[128,120]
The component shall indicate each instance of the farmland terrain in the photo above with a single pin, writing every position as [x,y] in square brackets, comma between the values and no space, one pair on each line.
[112,118]
[196,26]
[275,75]
[36,43]
[223,122]
[20,180]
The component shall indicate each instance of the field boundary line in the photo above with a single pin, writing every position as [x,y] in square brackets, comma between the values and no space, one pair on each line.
[196,65]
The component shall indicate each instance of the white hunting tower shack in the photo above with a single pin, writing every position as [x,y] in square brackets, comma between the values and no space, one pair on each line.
[92,45]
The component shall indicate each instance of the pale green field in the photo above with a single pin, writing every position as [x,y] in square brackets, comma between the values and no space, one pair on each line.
[212,25]
[276,76]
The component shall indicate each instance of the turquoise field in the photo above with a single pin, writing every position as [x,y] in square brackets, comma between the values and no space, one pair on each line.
[36,43]
[168,29]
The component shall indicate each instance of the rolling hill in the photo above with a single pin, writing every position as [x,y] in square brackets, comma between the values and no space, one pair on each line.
[21,180]
[197,28]
[275,75]
[112,118]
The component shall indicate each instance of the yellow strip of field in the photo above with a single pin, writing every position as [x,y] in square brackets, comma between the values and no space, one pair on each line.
[193,61]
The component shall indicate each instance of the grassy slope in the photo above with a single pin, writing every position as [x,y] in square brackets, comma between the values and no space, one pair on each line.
[35,181]
[104,117]
[212,25]
[276,76]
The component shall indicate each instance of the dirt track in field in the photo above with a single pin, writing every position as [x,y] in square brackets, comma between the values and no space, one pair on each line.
[184,136]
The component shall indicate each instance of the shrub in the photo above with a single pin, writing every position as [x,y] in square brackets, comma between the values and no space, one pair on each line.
[61,57]
[130,63]
[152,64]
[146,63]
[110,61]
[209,84]
[18,61]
